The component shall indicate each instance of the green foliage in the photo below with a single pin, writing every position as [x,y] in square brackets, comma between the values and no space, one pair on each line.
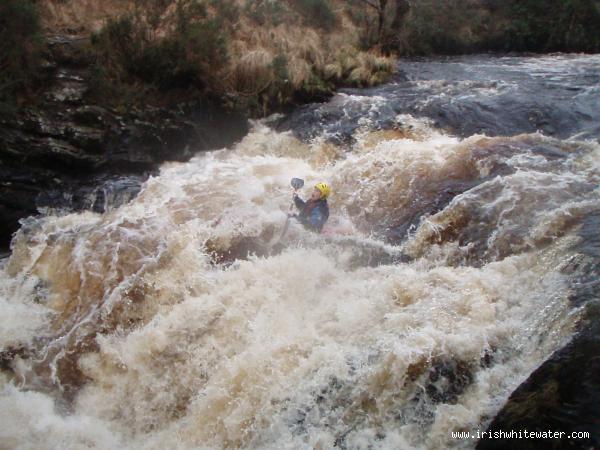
[267,89]
[265,11]
[361,15]
[20,48]
[316,13]
[280,89]
[127,52]
[563,25]
[226,10]
[443,26]
[513,25]
[316,86]
[280,67]
[459,26]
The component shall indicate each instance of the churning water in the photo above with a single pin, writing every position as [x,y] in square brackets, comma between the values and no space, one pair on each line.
[178,320]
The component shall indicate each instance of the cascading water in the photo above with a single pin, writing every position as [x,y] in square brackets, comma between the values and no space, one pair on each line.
[173,321]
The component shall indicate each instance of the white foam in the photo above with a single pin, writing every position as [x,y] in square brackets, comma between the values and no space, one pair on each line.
[298,349]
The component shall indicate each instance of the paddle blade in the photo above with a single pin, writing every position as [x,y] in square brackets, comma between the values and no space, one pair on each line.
[297,183]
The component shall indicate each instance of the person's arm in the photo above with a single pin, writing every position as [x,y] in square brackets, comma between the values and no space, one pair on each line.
[300,204]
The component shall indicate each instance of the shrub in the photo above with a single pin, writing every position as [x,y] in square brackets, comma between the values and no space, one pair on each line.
[180,50]
[317,13]
[226,9]
[564,25]
[251,73]
[199,52]
[457,26]
[265,11]
[190,55]
[20,47]
[442,26]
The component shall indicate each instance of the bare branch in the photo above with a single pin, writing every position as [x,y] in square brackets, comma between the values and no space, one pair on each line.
[371,4]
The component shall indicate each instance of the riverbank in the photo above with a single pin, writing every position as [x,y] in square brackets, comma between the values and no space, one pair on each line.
[92,90]
[138,84]
[65,152]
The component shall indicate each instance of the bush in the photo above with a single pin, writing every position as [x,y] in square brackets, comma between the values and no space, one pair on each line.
[563,25]
[317,13]
[20,47]
[265,11]
[458,26]
[192,54]
[443,26]
[226,10]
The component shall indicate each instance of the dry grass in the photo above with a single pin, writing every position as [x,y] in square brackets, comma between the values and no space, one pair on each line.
[268,61]
[81,16]
[310,54]
[250,71]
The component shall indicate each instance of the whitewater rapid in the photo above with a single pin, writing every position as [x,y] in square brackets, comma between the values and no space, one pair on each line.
[173,321]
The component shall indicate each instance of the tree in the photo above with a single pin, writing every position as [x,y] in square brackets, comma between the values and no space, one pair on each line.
[380,7]
[387,29]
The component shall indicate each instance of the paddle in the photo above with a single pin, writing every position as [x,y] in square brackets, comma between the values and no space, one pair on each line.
[296,183]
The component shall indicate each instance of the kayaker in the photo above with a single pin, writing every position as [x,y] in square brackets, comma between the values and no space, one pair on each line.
[314,212]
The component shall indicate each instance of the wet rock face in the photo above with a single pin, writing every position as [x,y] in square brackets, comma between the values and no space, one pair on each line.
[66,144]
[563,394]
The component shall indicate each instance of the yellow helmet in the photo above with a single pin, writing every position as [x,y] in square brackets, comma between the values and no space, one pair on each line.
[324,189]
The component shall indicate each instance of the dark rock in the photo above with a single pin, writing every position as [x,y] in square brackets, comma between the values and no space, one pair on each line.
[7,356]
[61,152]
[68,92]
[91,140]
[563,394]
[447,380]
[92,115]
[66,50]
[16,203]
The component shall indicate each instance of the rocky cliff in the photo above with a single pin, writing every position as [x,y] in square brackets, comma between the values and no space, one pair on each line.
[64,151]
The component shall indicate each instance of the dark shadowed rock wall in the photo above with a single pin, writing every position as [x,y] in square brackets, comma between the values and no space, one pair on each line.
[63,150]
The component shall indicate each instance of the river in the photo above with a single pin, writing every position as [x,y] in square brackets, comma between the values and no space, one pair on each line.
[461,190]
